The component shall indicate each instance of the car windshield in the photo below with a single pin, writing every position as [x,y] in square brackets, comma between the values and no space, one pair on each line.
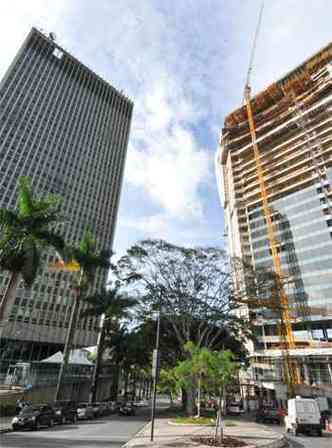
[28,410]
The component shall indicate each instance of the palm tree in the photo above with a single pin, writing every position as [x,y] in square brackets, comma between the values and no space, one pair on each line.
[112,306]
[24,234]
[87,260]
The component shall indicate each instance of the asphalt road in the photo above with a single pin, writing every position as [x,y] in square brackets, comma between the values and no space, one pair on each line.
[303,441]
[111,432]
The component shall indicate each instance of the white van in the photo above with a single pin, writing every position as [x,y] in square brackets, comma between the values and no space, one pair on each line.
[303,416]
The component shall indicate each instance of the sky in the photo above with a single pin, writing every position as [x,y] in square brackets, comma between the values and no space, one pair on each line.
[184,64]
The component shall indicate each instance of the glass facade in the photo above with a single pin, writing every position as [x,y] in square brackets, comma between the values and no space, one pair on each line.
[304,228]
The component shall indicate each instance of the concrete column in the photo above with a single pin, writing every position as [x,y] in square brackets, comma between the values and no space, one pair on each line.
[329,367]
[306,373]
[319,379]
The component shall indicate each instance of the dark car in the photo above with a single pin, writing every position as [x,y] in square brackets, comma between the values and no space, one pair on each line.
[127,409]
[34,417]
[65,411]
[269,415]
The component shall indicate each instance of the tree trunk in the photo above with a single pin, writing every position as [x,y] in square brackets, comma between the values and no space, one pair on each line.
[184,399]
[115,383]
[9,296]
[99,354]
[219,422]
[134,386]
[199,396]
[126,380]
[68,344]
[190,401]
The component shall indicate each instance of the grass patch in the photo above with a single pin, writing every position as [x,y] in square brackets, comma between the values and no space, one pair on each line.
[194,421]
[201,421]
[230,423]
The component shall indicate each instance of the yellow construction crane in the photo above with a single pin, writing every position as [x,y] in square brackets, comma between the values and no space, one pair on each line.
[291,371]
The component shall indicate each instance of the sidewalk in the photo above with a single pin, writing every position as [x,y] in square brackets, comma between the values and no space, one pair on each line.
[166,435]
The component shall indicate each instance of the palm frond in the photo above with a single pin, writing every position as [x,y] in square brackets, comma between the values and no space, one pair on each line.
[88,243]
[25,197]
[51,239]
[8,218]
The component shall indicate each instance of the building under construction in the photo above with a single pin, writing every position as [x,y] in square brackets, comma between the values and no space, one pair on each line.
[290,221]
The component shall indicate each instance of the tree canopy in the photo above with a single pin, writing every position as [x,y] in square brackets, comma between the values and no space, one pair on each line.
[191,286]
[24,232]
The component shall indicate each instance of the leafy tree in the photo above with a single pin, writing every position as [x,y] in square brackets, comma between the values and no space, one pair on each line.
[88,260]
[126,354]
[24,234]
[193,288]
[168,384]
[112,306]
[194,372]
[222,372]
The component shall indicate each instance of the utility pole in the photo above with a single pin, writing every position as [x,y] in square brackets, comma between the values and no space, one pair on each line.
[155,371]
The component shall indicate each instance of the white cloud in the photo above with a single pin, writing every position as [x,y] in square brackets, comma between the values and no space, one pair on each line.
[155,226]
[147,57]
[184,64]
[16,19]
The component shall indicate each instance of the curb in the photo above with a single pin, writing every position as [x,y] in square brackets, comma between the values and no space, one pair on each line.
[137,434]
[281,443]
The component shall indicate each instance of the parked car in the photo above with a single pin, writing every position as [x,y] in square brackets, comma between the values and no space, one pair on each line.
[141,403]
[34,417]
[85,411]
[127,409]
[99,409]
[65,411]
[303,416]
[269,415]
[235,409]
[103,408]
[111,407]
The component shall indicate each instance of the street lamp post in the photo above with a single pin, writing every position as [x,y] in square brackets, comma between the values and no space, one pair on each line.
[155,368]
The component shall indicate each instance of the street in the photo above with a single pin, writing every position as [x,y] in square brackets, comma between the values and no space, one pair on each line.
[310,442]
[112,431]
[303,441]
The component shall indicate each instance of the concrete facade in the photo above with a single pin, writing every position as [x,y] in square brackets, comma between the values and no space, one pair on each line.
[67,129]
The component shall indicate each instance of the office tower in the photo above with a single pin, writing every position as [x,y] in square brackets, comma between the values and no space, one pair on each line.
[293,121]
[67,129]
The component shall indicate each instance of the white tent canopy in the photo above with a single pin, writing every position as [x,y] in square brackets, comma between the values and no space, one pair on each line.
[78,357]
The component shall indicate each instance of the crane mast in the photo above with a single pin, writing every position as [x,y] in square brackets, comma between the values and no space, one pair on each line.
[291,372]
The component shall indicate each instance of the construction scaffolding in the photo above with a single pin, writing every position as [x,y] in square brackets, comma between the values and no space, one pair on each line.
[276,146]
